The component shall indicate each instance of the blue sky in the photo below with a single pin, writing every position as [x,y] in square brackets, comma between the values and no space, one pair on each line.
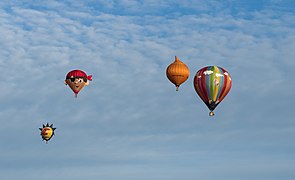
[130,123]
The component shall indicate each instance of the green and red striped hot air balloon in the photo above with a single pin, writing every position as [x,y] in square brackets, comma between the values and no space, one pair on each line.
[212,84]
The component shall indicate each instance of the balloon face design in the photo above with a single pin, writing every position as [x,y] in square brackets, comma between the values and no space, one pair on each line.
[177,72]
[76,84]
[212,84]
[47,132]
[76,80]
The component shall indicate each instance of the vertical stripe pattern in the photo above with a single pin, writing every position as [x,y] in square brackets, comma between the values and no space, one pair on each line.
[212,84]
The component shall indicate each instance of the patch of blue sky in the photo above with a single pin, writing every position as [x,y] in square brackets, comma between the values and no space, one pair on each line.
[248,9]
[170,8]
[159,8]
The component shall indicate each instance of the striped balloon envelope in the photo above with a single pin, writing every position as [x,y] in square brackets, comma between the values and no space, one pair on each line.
[212,84]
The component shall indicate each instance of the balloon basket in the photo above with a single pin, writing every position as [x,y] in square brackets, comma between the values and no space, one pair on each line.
[211,113]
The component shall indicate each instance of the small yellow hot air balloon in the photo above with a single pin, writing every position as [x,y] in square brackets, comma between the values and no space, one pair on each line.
[177,72]
[47,132]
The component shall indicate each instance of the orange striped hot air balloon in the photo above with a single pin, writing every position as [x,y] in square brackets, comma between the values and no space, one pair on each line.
[177,72]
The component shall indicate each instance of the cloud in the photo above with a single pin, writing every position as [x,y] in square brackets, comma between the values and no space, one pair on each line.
[130,119]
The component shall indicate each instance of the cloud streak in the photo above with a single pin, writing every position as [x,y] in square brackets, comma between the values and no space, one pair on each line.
[130,122]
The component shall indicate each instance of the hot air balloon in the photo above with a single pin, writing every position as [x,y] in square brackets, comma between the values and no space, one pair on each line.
[177,72]
[77,79]
[47,132]
[212,84]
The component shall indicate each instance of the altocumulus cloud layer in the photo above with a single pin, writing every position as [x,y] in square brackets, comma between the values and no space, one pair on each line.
[130,123]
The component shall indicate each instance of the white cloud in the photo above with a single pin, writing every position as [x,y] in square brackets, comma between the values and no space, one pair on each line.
[131,113]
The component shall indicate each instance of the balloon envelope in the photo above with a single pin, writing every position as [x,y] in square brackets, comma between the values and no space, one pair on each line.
[177,72]
[47,131]
[77,79]
[212,84]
